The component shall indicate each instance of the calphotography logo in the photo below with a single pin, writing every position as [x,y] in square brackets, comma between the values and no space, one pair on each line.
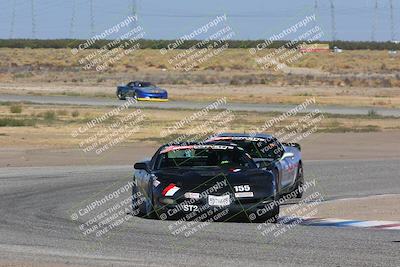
[129,20]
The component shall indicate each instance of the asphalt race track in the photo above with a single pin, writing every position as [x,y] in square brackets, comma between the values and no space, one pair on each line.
[36,226]
[72,100]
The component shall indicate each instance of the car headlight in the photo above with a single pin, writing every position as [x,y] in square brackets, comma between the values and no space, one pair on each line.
[155,181]
[167,201]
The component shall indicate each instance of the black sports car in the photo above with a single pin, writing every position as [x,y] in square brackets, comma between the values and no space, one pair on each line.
[192,181]
[283,159]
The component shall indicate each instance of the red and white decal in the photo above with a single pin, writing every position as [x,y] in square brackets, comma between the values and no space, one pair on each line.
[172,148]
[170,190]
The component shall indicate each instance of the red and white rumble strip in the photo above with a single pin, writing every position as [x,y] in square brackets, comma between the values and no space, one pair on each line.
[385,225]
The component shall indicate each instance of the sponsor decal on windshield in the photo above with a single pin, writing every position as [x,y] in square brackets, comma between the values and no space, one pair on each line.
[216,147]
[238,138]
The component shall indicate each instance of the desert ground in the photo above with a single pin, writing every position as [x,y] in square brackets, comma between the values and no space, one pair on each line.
[352,78]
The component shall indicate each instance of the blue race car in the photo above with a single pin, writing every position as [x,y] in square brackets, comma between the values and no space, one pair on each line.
[142,91]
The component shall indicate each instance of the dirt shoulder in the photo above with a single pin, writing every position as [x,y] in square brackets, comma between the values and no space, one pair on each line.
[381,207]
[320,146]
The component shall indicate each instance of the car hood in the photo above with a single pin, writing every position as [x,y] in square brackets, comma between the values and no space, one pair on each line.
[151,90]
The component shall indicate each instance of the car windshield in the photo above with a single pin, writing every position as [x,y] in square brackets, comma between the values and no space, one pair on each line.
[192,156]
[146,84]
[260,149]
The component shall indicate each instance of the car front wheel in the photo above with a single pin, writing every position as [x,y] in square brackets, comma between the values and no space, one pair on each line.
[121,96]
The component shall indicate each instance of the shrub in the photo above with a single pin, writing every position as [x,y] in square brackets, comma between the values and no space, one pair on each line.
[16,109]
[372,113]
[62,112]
[49,115]
[10,122]
[75,113]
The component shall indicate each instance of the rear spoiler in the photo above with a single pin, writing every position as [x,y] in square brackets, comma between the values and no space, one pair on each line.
[296,145]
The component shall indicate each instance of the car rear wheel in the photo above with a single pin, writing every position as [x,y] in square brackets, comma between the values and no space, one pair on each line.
[300,182]
[146,207]
[137,209]
[277,181]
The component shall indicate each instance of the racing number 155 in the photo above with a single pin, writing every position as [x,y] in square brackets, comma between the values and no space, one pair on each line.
[242,188]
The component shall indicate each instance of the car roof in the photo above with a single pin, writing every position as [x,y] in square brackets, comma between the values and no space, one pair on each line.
[256,135]
[141,82]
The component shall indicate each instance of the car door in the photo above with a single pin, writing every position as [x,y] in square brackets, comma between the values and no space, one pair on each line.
[289,168]
[142,179]
[145,177]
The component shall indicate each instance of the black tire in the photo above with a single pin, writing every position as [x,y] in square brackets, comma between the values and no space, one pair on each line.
[300,181]
[121,96]
[277,182]
[136,208]
[147,209]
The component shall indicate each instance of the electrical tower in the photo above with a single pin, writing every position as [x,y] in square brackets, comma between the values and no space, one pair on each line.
[374,22]
[134,12]
[72,24]
[333,21]
[315,13]
[316,7]
[392,34]
[12,20]
[91,18]
[33,19]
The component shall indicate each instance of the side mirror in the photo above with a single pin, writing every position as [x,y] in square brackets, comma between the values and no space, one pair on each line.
[141,166]
[287,155]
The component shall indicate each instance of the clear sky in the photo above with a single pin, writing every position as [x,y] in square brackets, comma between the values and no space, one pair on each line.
[169,19]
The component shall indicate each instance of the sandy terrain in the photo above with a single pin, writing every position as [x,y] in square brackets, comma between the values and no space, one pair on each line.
[321,146]
[355,96]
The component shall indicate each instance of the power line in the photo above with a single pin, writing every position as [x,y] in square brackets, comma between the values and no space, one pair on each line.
[12,20]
